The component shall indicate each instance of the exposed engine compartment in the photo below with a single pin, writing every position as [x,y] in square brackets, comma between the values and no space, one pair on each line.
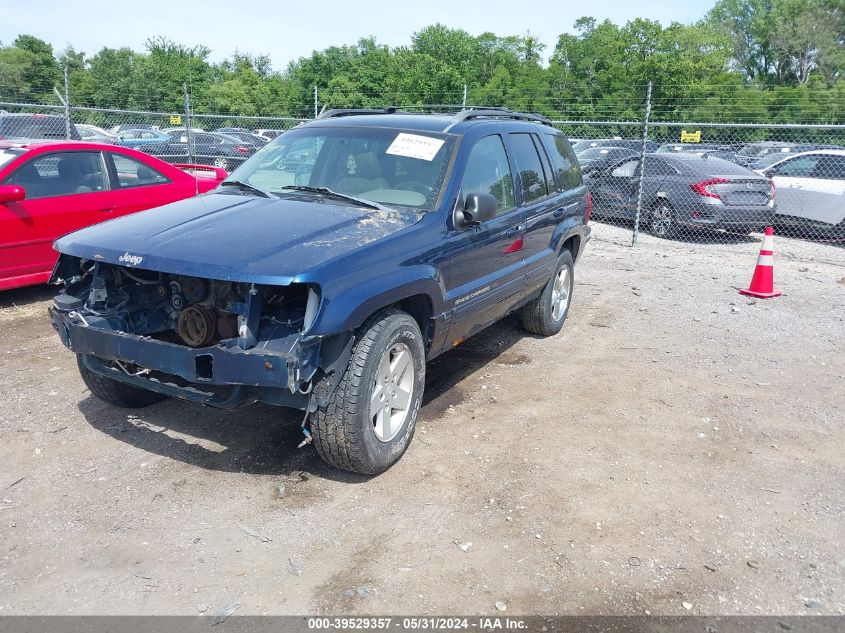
[179,309]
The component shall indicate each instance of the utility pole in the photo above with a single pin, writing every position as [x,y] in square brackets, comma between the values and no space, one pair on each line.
[65,101]
[315,101]
[67,105]
[642,165]
[189,124]
[464,102]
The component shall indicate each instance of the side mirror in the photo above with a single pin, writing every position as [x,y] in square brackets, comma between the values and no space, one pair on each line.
[12,193]
[478,208]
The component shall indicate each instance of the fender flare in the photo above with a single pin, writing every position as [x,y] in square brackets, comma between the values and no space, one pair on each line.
[564,231]
[345,308]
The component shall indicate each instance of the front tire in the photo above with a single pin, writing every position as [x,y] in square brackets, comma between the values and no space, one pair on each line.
[545,314]
[369,420]
[221,162]
[116,393]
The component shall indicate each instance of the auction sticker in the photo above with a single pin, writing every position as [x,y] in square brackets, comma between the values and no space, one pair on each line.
[415,146]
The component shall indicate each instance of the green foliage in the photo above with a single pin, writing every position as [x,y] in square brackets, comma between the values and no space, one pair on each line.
[777,61]
[784,42]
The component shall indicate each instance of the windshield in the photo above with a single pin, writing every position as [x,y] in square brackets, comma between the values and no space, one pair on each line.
[8,154]
[382,165]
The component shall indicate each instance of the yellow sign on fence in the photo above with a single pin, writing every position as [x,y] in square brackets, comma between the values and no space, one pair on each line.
[690,137]
[175,119]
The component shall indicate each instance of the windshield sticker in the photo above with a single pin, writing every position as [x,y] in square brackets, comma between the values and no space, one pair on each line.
[415,146]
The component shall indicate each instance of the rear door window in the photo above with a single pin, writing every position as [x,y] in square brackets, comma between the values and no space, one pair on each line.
[134,173]
[551,184]
[798,167]
[529,167]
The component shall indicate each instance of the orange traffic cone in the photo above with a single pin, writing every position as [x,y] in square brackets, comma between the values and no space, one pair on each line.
[763,281]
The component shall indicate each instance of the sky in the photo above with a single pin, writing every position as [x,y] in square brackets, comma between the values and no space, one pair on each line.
[289,30]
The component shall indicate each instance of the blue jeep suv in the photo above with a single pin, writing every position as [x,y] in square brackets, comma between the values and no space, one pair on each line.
[328,268]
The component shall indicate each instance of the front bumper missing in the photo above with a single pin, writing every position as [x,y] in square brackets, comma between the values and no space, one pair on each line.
[223,375]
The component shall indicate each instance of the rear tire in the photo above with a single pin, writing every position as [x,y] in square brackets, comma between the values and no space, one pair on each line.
[661,220]
[545,314]
[369,420]
[116,393]
[221,162]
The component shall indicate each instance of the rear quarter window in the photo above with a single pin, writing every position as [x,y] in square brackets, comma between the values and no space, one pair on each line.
[565,165]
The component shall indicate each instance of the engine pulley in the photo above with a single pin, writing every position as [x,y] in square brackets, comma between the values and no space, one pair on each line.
[197,325]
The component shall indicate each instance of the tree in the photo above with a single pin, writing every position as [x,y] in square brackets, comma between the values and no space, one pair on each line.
[28,70]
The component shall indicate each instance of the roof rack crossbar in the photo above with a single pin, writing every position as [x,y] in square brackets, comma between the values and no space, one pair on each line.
[501,113]
[340,112]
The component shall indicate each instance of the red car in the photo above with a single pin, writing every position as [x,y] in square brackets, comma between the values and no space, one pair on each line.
[50,188]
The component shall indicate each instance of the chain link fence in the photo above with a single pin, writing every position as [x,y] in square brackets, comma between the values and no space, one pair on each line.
[715,182]
[176,137]
[699,182]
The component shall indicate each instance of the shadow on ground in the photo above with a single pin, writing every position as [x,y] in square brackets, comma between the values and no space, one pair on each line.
[19,297]
[261,439]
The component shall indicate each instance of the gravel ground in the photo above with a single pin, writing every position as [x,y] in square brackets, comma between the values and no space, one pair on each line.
[673,451]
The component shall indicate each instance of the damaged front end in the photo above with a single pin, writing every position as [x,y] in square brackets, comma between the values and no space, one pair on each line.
[214,342]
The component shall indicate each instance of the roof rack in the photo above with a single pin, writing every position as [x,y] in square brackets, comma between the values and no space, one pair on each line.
[462,113]
[340,112]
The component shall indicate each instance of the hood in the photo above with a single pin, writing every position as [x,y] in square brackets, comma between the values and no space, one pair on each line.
[235,237]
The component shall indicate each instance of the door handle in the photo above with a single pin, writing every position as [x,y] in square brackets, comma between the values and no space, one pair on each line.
[107,210]
[515,230]
[557,213]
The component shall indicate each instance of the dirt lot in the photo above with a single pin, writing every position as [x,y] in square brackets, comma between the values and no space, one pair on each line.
[677,449]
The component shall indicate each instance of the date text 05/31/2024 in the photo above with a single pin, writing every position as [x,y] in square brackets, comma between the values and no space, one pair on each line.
[417,623]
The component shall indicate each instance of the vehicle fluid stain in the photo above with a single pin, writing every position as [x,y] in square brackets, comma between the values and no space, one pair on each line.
[509,359]
[436,404]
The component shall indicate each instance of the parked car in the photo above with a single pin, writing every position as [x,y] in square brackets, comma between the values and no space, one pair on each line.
[635,145]
[326,288]
[771,158]
[35,126]
[811,189]
[601,157]
[138,138]
[227,130]
[209,148]
[695,148]
[94,134]
[48,189]
[245,136]
[684,191]
[117,129]
[716,153]
[751,153]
